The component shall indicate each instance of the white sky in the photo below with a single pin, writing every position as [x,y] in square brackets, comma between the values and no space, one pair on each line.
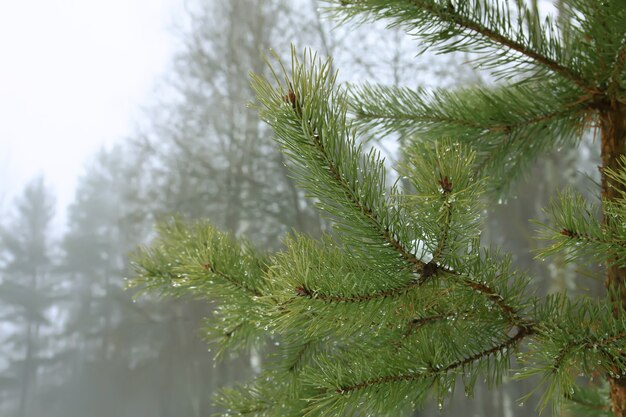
[73,77]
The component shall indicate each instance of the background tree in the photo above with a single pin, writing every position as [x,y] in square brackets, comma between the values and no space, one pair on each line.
[119,355]
[403,299]
[207,154]
[98,321]
[27,292]
[204,153]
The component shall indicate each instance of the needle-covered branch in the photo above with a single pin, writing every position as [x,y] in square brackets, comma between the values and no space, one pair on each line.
[319,287]
[491,276]
[507,127]
[194,257]
[268,395]
[575,227]
[444,200]
[341,288]
[572,338]
[308,114]
[503,34]
[397,380]
[596,41]
[469,112]
[590,401]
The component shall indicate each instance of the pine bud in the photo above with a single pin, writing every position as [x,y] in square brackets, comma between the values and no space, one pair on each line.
[446,185]
[302,292]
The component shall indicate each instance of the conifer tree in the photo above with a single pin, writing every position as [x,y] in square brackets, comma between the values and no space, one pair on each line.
[403,300]
[26,296]
[118,356]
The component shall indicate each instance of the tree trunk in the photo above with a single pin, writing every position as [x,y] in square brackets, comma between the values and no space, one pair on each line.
[613,127]
[26,372]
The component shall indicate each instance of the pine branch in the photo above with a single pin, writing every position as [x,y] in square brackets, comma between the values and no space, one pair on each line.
[397,390]
[446,188]
[491,277]
[521,333]
[297,362]
[309,129]
[385,233]
[572,338]
[235,281]
[306,284]
[445,199]
[400,374]
[582,239]
[488,27]
[310,122]
[320,298]
[188,255]
[505,141]
[395,109]
[360,298]
[575,226]
[380,307]
[418,323]
[193,257]
[590,401]
[605,409]
[450,181]
[266,396]
[595,344]
[495,298]
[473,25]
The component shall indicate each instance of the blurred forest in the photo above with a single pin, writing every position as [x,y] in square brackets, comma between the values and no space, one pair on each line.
[74,342]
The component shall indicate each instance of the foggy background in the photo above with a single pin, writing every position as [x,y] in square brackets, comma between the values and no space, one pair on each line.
[115,114]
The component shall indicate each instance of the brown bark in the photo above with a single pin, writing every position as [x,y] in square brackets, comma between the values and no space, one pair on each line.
[613,127]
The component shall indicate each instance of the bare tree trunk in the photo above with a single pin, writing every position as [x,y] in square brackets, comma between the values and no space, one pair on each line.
[613,130]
